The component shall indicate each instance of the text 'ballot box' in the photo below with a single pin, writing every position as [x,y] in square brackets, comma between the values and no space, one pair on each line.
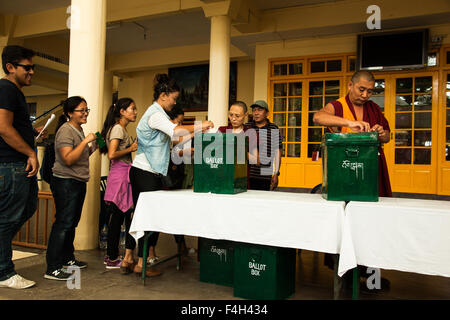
[220,162]
[263,272]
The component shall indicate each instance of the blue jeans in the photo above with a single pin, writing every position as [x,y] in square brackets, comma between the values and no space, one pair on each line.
[18,202]
[68,195]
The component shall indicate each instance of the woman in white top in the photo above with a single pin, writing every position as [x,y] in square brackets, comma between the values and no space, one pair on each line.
[155,132]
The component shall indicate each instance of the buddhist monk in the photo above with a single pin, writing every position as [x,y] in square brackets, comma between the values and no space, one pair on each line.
[356,113]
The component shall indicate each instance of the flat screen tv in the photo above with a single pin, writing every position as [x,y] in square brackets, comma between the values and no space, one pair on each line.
[393,50]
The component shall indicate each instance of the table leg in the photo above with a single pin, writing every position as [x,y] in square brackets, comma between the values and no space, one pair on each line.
[355,294]
[179,256]
[337,281]
[144,255]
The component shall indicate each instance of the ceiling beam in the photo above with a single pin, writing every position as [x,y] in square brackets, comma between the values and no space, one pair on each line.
[50,79]
[51,64]
[141,60]
[36,90]
[244,17]
[347,12]
[56,20]
[41,23]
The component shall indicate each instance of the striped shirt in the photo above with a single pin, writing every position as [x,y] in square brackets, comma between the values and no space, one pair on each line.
[269,142]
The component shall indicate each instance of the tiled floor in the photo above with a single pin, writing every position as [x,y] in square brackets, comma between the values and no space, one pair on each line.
[314,281]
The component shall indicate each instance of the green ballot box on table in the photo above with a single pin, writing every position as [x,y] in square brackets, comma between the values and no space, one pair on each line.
[350,166]
[216,261]
[220,163]
[263,272]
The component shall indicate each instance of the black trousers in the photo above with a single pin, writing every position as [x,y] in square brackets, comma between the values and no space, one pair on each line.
[116,218]
[68,195]
[259,184]
[142,181]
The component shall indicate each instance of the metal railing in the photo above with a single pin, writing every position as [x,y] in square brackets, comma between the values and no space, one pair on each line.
[36,231]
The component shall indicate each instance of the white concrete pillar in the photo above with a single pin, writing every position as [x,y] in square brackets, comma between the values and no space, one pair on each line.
[107,102]
[86,76]
[3,43]
[219,70]
[2,73]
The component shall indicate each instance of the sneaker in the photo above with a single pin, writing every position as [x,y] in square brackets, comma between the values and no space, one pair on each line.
[113,264]
[105,260]
[17,282]
[76,263]
[58,274]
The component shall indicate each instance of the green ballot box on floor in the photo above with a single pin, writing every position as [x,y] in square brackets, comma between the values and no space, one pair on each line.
[216,261]
[350,166]
[263,272]
[220,163]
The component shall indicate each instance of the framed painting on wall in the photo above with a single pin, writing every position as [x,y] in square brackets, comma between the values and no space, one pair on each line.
[194,84]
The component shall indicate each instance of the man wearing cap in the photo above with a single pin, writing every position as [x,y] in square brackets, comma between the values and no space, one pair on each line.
[264,176]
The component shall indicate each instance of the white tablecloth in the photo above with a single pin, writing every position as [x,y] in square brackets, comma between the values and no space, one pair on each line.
[283,219]
[401,234]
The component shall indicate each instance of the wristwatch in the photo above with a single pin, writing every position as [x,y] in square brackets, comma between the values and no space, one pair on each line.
[278,173]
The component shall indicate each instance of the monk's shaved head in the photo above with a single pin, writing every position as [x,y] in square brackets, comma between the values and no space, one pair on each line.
[367,75]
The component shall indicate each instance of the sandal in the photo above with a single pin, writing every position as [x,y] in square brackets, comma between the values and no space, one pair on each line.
[150,272]
[126,267]
[152,260]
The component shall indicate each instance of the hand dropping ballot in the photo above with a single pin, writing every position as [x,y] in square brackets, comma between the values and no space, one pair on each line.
[52,117]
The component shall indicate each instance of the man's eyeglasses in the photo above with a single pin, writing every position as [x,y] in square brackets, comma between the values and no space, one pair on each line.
[27,67]
[83,110]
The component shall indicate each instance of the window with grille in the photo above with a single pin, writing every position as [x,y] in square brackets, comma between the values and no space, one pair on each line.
[296,94]
[351,64]
[333,65]
[287,69]
[413,119]
[320,93]
[378,94]
[447,122]
[287,115]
